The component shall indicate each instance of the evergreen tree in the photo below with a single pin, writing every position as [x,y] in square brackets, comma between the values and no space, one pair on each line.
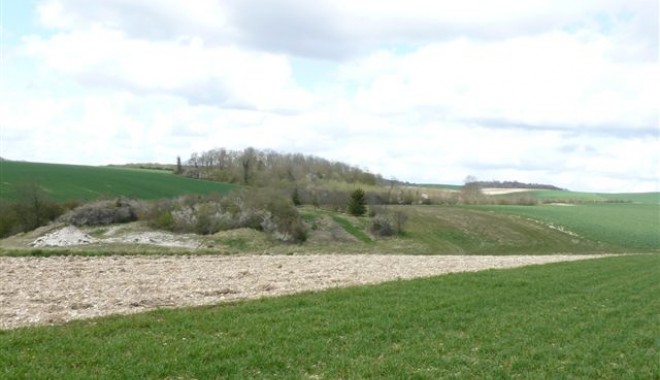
[295,197]
[179,168]
[358,204]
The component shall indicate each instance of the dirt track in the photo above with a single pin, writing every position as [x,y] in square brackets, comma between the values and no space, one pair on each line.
[58,289]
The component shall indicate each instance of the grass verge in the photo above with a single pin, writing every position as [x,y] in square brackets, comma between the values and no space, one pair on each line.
[589,319]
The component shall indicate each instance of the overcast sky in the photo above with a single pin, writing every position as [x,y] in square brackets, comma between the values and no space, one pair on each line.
[562,92]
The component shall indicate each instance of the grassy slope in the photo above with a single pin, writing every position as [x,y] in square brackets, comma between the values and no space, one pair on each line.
[67,182]
[462,230]
[497,230]
[627,226]
[590,319]
[457,230]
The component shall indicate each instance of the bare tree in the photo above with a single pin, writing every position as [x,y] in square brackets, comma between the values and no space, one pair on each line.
[248,160]
[471,191]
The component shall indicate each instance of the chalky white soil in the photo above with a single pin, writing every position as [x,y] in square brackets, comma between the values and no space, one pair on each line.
[52,290]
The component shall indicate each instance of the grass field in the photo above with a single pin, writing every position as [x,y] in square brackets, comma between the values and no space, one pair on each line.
[590,319]
[459,230]
[628,226]
[581,197]
[71,182]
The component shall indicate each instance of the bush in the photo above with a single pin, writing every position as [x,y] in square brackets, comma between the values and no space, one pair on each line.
[32,209]
[281,218]
[10,222]
[388,223]
[381,225]
[264,210]
[102,213]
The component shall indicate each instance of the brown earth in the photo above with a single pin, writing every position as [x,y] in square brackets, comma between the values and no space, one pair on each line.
[53,290]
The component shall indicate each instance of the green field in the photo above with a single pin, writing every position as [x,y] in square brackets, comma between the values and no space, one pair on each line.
[581,197]
[462,230]
[628,226]
[71,182]
[594,319]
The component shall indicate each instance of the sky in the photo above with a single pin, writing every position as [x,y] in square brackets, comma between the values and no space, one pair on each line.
[560,92]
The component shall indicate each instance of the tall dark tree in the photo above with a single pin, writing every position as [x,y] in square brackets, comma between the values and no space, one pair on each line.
[179,168]
[358,203]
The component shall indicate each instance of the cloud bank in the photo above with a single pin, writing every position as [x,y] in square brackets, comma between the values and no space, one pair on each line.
[542,91]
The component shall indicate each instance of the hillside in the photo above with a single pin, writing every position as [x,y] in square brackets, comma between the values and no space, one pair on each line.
[514,185]
[75,182]
[430,230]
[477,229]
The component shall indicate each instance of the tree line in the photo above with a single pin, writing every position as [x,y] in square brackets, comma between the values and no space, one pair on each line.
[267,168]
[510,185]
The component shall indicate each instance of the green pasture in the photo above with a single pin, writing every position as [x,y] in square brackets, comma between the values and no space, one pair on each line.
[72,182]
[627,225]
[593,319]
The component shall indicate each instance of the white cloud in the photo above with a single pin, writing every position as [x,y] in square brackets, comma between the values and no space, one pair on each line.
[342,28]
[542,91]
[223,76]
[558,80]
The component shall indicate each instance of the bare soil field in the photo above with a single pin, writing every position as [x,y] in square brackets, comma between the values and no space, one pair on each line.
[502,191]
[53,290]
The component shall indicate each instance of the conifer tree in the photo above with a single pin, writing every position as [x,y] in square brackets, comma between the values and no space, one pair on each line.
[358,204]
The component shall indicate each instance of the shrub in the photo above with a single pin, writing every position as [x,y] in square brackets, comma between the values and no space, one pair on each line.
[31,210]
[102,213]
[281,218]
[164,221]
[381,225]
[10,222]
[386,223]
[264,210]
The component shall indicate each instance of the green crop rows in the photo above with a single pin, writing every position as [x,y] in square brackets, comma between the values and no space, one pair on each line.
[71,182]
